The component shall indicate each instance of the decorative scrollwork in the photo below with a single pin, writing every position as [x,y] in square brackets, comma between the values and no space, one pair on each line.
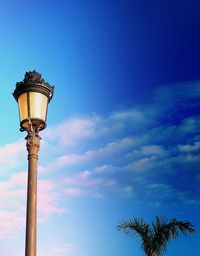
[32,77]
[33,145]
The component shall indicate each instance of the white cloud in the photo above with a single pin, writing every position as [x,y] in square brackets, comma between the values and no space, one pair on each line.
[13,202]
[12,149]
[144,164]
[190,147]
[117,152]
[187,159]
[47,200]
[103,169]
[107,153]
[152,150]
[84,179]
[112,155]
[133,115]
[59,251]
[88,183]
[127,191]
[73,131]
[68,248]
[10,221]
[73,191]
[190,125]
[160,192]
[10,155]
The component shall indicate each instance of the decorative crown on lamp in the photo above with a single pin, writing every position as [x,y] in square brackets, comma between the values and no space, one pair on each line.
[33,95]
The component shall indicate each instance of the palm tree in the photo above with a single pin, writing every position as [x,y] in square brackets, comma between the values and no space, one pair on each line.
[155,236]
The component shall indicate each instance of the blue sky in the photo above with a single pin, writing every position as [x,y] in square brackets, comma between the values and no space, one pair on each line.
[123,127]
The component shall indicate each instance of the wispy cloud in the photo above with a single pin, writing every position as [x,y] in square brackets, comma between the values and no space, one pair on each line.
[66,249]
[86,183]
[48,199]
[12,202]
[109,151]
[154,141]
[10,155]
[73,131]
[145,152]
[190,147]
[59,251]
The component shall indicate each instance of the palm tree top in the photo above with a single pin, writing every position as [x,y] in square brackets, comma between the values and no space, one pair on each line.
[155,236]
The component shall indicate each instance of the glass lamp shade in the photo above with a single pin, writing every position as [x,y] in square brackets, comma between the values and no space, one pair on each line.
[32,110]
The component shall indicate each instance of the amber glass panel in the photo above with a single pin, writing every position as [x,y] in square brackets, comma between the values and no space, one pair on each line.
[38,105]
[23,106]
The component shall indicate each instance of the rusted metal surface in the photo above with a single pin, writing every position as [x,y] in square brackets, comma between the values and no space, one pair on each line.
[33,144]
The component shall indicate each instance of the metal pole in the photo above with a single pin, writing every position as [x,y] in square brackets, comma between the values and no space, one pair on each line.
[33,144]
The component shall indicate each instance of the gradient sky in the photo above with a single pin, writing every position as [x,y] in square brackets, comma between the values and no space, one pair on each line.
[123,127]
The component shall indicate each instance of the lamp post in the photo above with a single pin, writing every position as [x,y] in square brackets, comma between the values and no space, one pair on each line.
[33,95]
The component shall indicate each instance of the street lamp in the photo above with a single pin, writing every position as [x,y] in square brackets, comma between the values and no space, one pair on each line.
[33,95]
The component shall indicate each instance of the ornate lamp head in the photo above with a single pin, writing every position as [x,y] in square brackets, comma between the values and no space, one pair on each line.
[33,95]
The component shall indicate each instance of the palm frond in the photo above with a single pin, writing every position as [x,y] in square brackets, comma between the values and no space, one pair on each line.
[137,227]
[165,230]
[155,236]
[184,226]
